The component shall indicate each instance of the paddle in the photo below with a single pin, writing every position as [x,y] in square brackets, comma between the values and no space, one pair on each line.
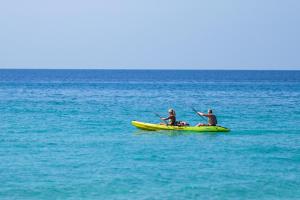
[198,113]
[161,118]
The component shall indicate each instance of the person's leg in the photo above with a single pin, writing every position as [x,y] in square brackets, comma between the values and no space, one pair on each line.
[200,124]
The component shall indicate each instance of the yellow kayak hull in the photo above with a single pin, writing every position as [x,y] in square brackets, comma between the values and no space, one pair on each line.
[157,127]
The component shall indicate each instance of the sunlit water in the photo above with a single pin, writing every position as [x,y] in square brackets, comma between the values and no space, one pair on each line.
[66,134]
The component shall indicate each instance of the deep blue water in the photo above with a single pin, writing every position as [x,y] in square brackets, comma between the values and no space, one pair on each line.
[66,134]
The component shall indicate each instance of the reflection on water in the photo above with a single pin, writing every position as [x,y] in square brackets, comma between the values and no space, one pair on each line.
[174,133]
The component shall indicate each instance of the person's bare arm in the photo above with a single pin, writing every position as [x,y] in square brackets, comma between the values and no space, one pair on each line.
[165,118]
[202,114]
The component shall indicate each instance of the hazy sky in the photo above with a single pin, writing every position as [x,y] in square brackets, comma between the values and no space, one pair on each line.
[171,34]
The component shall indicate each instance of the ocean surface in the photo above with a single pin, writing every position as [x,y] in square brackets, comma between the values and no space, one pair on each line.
[66,134]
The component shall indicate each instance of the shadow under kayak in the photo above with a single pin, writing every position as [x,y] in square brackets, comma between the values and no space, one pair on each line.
[156,127]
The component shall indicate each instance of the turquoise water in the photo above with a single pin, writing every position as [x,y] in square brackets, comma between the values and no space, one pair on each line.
[66,134]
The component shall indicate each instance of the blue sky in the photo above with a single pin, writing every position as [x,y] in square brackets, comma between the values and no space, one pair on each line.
[172,34]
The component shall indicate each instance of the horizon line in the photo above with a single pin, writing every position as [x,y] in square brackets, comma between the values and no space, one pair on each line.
[153,69]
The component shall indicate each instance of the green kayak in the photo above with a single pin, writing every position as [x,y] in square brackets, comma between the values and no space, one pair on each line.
[156,127]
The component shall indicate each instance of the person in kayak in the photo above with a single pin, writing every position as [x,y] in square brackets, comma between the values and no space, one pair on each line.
[212,119]
[171,117]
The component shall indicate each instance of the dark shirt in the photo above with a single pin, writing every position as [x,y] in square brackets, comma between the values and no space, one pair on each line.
[172,119]
[212,120]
